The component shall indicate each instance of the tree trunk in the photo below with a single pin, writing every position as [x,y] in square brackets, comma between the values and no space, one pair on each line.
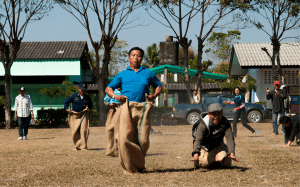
[7,98]
[199,68]
[186,73]
[165,82]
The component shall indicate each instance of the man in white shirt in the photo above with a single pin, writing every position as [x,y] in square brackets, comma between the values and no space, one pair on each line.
[196,98]
[23,108]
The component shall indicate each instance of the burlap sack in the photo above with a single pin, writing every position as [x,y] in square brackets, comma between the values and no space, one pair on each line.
[218,153]
[79,123]
[134,130]
[111,131]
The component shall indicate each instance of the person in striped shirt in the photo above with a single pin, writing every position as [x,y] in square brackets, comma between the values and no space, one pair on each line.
[240,111]
[23,108]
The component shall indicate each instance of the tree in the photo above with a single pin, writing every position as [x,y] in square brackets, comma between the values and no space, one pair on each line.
[174,10]
[112,16]
[14,18]
[220,44]
[52,92]
[152,55]
[70,89]
[212,13]
[221,68]
[282,16]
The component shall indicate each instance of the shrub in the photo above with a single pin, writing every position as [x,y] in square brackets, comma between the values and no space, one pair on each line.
[52,116]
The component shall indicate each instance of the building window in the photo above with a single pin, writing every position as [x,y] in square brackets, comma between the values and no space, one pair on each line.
[291,76]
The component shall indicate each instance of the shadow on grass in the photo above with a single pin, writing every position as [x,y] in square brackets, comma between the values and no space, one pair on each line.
[96,149]
[155,154]
[171,170]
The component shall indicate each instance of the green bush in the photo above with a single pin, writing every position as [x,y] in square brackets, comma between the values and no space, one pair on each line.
[52,116]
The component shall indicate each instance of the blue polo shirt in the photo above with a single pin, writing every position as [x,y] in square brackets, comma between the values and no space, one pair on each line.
[79,104]
[135,84]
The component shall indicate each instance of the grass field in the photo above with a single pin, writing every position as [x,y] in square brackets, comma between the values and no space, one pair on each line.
[47,158]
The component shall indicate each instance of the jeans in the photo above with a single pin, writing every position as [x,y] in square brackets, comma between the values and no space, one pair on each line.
[237,115]
[274,121]
[23,121]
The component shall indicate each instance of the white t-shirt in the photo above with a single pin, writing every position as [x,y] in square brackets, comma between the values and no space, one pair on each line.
[196,99]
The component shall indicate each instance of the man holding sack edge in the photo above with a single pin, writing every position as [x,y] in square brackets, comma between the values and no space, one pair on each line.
[79,118]
[132,121]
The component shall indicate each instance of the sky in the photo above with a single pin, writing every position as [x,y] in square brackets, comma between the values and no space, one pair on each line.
[60,25]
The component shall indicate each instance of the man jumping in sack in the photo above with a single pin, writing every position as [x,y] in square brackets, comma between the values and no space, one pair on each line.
[132,123]
[79,118]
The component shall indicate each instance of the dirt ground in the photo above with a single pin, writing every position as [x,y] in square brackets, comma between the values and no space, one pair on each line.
[47,158]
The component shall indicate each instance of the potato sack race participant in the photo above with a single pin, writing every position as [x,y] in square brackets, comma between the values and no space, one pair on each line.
[240,111]
[132,121]
[79,118]
[292,129]
[209,146]
[110,129]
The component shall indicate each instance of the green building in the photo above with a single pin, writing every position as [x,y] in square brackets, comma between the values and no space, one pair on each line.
[46,65]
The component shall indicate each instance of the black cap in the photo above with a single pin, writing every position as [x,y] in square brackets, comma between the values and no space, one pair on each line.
[22,88]
[83,86]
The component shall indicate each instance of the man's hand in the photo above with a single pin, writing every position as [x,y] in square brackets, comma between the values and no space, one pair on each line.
[112,105]
[268,90]
[225,102]
[151,97]
[32,116]
[69,111]
[234,109]
[232,157]
[120,98]
[196,157]
[16,117]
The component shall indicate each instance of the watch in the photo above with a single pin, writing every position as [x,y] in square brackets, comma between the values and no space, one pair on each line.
[113,96]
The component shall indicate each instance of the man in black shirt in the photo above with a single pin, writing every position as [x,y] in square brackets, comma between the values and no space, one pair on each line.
[277,97]
[292,129]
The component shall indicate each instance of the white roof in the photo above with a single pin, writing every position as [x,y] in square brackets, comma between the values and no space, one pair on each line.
[251,54]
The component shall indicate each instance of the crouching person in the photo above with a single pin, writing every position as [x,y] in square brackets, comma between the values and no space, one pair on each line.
[209,146]
[292,129]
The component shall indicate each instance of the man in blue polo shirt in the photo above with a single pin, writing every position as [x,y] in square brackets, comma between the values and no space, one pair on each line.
[133,137]
[79,116]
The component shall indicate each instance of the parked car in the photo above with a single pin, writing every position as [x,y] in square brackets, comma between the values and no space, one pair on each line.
[255,113]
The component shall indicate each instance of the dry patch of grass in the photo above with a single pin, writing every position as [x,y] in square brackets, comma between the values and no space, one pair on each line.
[48,159]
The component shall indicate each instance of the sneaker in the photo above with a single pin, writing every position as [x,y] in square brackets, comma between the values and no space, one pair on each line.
[20,138]
[255,133]
[24,137]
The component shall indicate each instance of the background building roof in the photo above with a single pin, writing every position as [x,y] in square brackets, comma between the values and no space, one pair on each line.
[251,54]
[51,50]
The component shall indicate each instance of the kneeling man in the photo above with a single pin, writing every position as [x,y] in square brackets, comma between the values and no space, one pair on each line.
[292,129]
[209,146]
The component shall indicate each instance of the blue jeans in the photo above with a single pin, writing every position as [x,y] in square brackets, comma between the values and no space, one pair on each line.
[23,122]
[274,121]
[237,115]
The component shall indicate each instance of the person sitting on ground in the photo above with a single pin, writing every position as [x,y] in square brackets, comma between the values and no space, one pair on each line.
[209,146]
[292,129]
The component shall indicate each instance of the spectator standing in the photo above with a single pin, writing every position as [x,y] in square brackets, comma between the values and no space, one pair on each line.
[287,101]
[277,97]
[196,98]
[23,108]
